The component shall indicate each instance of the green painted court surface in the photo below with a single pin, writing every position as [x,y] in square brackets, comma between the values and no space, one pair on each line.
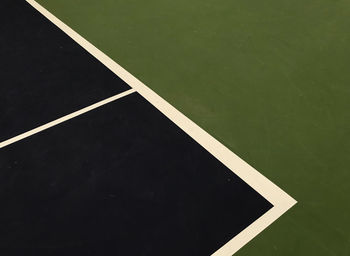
[269,79]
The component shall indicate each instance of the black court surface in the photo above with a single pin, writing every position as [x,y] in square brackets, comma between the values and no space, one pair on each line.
[121,179]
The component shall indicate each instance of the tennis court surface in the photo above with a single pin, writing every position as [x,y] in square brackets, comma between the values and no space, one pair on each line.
[95,162]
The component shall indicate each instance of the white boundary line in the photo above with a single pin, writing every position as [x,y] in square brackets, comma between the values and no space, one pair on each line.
[65,118]
[281,200]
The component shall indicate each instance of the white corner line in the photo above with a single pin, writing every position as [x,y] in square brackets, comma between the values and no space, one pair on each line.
[281,201]
[65,118]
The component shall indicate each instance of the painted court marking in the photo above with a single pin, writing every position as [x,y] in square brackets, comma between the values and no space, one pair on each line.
[281,200]
[65,118]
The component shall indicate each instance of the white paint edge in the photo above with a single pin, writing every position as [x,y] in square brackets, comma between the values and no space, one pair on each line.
[282,201]
[65,118]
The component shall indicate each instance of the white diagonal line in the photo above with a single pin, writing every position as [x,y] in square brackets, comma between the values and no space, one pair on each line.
[65,118]
[281,200]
